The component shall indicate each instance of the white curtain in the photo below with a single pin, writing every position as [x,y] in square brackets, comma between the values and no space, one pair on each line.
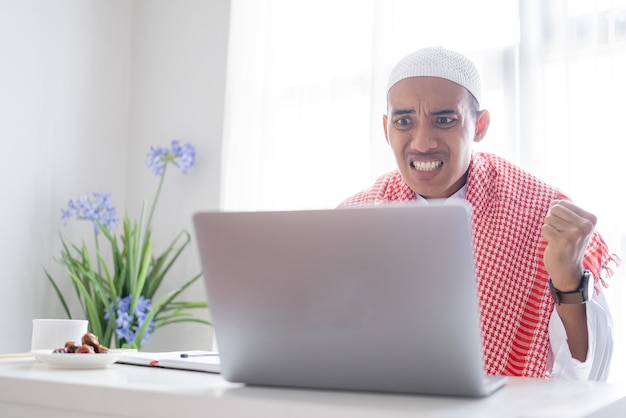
[305,90]
[572,84]
[306,93]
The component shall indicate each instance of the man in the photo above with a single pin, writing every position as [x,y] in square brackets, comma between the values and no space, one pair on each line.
[528,237]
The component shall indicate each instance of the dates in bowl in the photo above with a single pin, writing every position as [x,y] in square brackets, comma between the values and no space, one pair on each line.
[88,345]
[69,357]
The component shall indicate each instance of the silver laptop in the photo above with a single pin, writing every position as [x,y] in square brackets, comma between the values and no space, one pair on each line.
[364,298]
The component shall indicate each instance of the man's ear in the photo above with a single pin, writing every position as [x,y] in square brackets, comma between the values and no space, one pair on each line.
[482,125]
[385,128]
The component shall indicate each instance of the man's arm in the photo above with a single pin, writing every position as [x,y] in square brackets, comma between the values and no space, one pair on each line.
[597,365]
[567,230]
[574,318]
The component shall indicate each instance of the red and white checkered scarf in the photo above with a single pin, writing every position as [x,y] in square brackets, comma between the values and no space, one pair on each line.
[508,209]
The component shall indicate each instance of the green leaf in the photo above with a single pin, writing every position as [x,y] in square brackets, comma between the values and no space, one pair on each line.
[160,274]
[180,320]
[92,314]
[59,294]
[145,264]
[162,303]
[185,305]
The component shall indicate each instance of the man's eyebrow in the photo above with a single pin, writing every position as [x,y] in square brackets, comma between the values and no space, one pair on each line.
[400,112]
[444,112]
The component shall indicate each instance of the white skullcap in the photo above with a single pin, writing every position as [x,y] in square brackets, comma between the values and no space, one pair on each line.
[438,62]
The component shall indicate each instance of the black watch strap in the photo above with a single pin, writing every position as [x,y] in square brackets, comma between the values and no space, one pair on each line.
[578,296]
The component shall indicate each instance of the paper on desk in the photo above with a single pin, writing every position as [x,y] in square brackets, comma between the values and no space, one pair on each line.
[198,360]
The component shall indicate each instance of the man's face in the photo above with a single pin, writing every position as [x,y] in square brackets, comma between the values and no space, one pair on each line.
[431,126]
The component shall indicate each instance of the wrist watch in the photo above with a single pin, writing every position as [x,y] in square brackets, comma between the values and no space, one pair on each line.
[580,295]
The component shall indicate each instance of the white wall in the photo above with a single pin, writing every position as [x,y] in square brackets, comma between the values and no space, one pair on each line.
[177,91]
[86,86]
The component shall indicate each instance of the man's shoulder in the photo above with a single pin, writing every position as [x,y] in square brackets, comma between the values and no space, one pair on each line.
[506,174]
[359,198]
[388,187]
[495,178]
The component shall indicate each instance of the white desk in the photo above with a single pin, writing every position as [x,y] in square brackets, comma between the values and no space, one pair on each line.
[30,389]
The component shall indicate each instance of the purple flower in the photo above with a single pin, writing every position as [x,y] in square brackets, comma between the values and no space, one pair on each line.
[94,207]
[157,158]
[123,328]
[128,324]
[182,156]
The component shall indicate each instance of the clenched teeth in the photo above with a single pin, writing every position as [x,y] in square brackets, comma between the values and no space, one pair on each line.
[426,165]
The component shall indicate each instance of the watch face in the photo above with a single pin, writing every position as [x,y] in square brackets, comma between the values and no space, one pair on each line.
[586,285]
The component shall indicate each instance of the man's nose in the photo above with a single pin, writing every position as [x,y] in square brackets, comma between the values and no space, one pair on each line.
[424,138]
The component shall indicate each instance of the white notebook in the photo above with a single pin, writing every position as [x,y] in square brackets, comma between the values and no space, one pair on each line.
[195,360]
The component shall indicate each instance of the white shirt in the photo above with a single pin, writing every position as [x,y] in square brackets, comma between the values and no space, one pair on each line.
[561,364]
[600,331]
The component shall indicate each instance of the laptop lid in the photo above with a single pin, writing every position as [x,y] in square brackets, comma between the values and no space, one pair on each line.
[360,298]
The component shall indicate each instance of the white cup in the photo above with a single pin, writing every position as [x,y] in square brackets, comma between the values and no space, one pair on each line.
[54,333]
